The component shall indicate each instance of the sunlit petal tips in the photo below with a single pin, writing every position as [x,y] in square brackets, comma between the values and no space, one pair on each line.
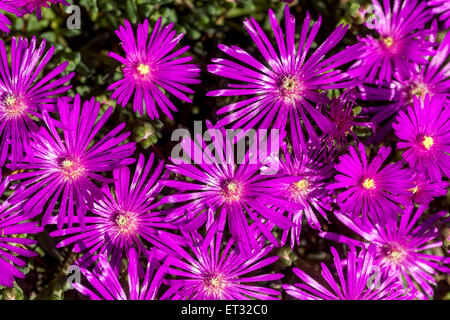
[151,67]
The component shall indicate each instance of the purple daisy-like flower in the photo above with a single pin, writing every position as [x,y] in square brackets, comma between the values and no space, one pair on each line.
[361,281]
[425,189]
[401,43]
[29,6]
[432,78]
[24,93]
[13,224]
[150,67]
[402,246]
[424,131]
[220,187]
[64,166]
[343,120]
[371,190]
[211,271]
[309,171]
[104,283]
[124,218]
[288,87]
[441,7]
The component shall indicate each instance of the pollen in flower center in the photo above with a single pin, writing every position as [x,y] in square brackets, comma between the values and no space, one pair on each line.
[13,106]
[388,41]
[414,190]
[290,87]
[232,191]
[428,142]
[368,184]
[71,169]
[420,90]
[143,69]
[395,254]
[126,222]
[214,284]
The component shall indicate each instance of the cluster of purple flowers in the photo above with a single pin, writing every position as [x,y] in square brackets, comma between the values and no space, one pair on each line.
[207,229]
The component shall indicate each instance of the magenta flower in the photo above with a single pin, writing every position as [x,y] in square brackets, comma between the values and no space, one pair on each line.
[402,246]
[288,87]
[13,224]
[431,78]
[309,171]
[29,6]
[124,218]
[343,120]
[150,67]
[425,190]
[425,134]
[401,42]
[104,283]
[209,272]
[23,94]
[361,281]
[441,7]
[221,189]
[370,190]
[63,167]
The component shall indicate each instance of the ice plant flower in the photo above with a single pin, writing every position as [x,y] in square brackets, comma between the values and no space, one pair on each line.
[401,41]
[425,189]
[343,120]
[150,66]
[359,278]
[25,92]
[104,283]
[431,78]
[124,218]
[369,189]
[424,131]
[208,271]
[287,86]
[62,167]
[13,225]
[310,199]
[221,188]
[441,7]
[30,6]
[401,246]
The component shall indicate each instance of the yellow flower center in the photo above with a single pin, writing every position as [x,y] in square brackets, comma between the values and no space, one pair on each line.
[126,222]
[13,106]
[428,142]
[214,284]
[71,169]
[396,254]
[143,69]
[233,191]
[290,87]
[369,184]
[420,90]
[388,41]
[414,190]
